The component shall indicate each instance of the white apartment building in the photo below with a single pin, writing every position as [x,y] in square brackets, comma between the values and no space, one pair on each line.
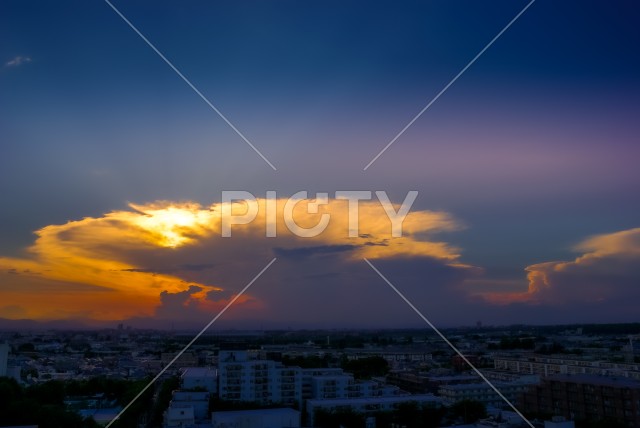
[345,386]
[309,374]
[263,381]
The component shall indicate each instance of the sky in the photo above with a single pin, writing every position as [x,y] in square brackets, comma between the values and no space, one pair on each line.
[112,167]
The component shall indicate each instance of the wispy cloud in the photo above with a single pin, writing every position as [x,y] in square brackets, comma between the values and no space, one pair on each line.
[18,61]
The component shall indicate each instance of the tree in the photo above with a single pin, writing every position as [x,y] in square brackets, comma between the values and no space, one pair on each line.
[164,397]
[365,368]
[40,405]
[26,347]
[470,411]
[338,418]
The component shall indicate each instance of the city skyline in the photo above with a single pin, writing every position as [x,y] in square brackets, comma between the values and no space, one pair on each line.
[526,166]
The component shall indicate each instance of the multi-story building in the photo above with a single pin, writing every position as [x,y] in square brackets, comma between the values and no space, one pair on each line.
[309,374]
[484,393]
[413,354]
[547,366]
[330,386]
[586,397]
[345,386]
[409,380]
[262,381]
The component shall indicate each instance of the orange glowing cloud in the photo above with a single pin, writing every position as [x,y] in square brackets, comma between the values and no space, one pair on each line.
[608,270]
[96,254]
[100,267]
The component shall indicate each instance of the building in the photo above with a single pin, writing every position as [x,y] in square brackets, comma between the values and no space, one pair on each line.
[261,381]
[413,354]
[559,422]
[410,381]
[199,378]
[461,364]
[197,400]
[586,397]
[179,417]
[187,359]
[330,386]
[484,393]
[345,386]
[262,418]
[548,366]
[243,378]
[309,374]
[366,405]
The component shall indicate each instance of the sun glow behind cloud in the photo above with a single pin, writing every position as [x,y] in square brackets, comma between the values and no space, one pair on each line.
[173,225]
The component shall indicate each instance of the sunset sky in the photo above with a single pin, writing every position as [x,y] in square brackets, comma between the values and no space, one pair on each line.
[112,167]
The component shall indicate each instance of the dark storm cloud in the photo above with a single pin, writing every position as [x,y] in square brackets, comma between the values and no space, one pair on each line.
[304,252]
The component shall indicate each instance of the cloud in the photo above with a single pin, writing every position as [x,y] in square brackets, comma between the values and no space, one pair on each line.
[608,269]
[174,269]
[167,259]
[303,252]
[218,295]
[176,305]
[18,61]
[13,312]
[605,277]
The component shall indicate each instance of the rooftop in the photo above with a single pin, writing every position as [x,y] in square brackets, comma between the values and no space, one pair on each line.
[620,382]
[374,400]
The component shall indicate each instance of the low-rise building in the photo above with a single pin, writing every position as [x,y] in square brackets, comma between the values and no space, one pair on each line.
[179,417]
[586,397]
[548,366]
[199,378]
[262,418]
[483,392]
[197,400]
[368,405]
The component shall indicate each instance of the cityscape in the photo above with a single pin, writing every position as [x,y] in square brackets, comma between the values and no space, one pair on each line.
[554,376]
